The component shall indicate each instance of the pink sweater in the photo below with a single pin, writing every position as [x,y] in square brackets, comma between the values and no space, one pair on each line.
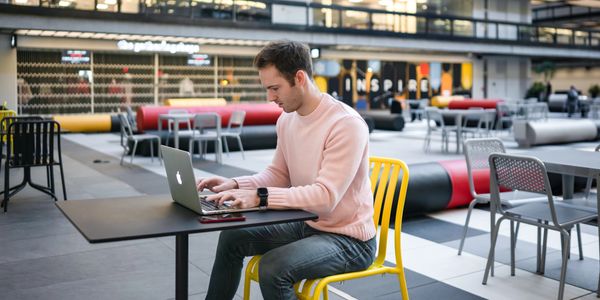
[321,165]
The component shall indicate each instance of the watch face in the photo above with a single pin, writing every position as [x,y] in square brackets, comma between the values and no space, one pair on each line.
[262,192]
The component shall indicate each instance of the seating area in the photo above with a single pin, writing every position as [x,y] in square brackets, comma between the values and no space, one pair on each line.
[437,195]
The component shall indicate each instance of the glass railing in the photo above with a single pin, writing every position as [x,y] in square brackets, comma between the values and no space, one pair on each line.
[334,18]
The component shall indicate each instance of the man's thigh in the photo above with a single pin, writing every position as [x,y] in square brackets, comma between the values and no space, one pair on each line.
[259,240]
[318,256]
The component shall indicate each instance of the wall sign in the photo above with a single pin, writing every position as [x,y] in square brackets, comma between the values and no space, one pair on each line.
[75,57]
[158,47]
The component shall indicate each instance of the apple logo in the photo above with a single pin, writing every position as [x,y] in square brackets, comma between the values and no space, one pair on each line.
[178,176]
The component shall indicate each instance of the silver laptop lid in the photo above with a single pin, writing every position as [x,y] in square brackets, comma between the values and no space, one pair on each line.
[180,174]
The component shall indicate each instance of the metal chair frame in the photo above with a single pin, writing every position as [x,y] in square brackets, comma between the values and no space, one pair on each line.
[207,127]
[234,130]
[33,145]
[529,174]
[384,179]
[130,137]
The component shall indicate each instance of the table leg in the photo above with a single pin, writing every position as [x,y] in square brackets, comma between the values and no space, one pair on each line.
[568,186]
[181,266]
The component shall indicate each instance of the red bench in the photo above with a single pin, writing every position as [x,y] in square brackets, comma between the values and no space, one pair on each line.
[256,114]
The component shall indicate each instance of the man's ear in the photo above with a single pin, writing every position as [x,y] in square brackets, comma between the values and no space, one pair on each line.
[300,77]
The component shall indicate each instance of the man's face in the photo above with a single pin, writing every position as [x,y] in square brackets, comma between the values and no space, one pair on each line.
[279,90]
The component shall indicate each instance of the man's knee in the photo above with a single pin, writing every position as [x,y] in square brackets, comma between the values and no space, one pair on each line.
[270,270]
[231,241]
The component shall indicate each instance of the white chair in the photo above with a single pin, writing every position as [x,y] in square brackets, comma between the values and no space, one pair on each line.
[234,129]
[435,123]
[128,137]
[207,127]
[171,122]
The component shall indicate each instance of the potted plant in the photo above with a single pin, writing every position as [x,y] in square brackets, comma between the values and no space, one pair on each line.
[536,90]
[594,91]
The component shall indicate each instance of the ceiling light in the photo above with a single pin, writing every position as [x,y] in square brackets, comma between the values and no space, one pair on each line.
[110,2]
[63,3]
[355,1]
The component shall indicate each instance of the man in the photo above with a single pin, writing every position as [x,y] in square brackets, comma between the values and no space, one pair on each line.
[320,165]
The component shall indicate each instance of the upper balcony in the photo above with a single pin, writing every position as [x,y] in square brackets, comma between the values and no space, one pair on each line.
[317,18]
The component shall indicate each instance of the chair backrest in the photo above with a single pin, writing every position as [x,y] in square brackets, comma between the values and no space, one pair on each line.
[5,114]
[131,118]
[207,121]
[126,129]
[33,143]
[433,113]
[384,179]
[523,173]
[236,121]
[477,153]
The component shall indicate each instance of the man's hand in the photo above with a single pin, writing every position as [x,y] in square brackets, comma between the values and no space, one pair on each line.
[216,184]
[239,198]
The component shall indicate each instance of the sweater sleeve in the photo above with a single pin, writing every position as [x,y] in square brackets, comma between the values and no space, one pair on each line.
[276,174]
[344,150]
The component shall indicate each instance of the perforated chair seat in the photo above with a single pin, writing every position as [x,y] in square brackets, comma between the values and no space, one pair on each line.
[539,211]
[513,198]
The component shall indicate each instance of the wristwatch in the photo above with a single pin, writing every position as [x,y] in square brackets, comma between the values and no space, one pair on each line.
[263,194]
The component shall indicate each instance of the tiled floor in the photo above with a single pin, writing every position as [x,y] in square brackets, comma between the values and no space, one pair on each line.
[42,256]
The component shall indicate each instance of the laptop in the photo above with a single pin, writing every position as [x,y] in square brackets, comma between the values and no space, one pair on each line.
[182,184]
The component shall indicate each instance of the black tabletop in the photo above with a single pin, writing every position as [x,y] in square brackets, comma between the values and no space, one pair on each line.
[117,219]
[568,161]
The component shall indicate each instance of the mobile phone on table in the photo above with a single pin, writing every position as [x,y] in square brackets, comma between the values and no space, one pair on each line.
[222,218]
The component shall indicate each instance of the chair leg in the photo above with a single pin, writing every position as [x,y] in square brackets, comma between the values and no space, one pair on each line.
[239,139]
[133,152]
[466,227]
[563,269]
[50,170]
[490,260]
[124,153]
[512,247]
[588,187]
[579,243]
[539,248]
[6,187]
[403,286]
[517,232]
[62,179]
[544,248]
[226,145]
[218,151]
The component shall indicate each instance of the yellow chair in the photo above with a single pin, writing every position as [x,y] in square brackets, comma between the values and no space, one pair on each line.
[384,177]
[4,127]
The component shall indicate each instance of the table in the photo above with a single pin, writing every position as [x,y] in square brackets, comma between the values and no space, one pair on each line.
[120,219]
[570,163]
[458,114]
[176,118]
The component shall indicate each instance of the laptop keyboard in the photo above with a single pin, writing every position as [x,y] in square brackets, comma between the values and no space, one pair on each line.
[209,205]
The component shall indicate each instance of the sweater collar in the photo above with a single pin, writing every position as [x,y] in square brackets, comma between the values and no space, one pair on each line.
[315,113]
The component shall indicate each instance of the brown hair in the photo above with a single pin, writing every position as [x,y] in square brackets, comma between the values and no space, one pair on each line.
[288,57]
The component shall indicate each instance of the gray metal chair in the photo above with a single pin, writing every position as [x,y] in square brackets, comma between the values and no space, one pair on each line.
[234,130]
[207,127]
[588,185]
[477,152]
[529,174]
[435,123]
[129,137]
